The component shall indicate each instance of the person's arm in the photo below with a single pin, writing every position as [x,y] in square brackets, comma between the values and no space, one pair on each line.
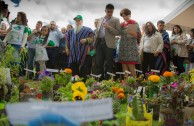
[59,33]
[24,40]
[31,34]
[67,47]
[89,39]
[182,39]
[160,44]
[115,31]
[25,37]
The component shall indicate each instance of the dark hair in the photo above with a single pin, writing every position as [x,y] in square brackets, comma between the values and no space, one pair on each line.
[46,37]
[125,11]
[192,30]
[39,22]
[178,26]
[160,22]
[147,32]
[109,6]
[23,18]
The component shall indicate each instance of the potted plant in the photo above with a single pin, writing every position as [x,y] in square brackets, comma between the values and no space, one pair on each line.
[137,114]
[46,85]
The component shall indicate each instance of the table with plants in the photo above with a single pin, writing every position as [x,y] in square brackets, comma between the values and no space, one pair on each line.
[158,100]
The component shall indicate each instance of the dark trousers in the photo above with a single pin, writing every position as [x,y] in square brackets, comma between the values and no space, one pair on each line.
[149,62]
[62,60]
[86,67]
[52,55]
[178,62]
[75,68]
[104,59]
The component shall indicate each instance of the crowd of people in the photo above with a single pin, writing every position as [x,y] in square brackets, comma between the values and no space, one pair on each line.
[111,47]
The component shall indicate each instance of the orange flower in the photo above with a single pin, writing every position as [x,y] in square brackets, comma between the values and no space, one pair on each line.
[114,89]
[120,90]
[168,74]
[121,96]
[68,71]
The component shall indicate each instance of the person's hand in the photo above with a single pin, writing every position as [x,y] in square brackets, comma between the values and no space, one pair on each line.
[106,26]
[82,41]
[52,118]
[173,42]
[3,45]
[156,53]
[35,31]
[67,51]
[191,46]
[20,50]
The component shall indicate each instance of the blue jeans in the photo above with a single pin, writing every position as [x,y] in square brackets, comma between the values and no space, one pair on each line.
[31,61]
[23,59]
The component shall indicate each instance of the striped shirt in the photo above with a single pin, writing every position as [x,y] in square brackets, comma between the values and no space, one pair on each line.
[78,51]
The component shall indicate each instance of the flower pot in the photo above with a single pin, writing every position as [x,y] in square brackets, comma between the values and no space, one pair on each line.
[24,97]
[147,122]
[156,109]
[56,96]
[47,96]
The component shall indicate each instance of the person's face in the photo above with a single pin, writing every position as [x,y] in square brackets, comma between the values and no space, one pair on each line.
[52,25]
[68,27]
[78,22]
[143,27]
[126,17]
[191,34]
[5,13]
[96,24]
[176,30]
[109,12]
[18,18]
[150,28]
[38,26]
[44,31]
[160,26]
[63,30]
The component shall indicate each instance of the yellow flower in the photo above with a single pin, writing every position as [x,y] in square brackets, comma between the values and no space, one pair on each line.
[168,74]
[121,96]
[154,78]
[68,71]
[77,95]
[79,86]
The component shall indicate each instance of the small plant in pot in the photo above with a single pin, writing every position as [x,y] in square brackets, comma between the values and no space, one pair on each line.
[46,85]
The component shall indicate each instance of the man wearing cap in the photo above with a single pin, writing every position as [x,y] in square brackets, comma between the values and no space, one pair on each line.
[55,35]
[108,27]
[79,44]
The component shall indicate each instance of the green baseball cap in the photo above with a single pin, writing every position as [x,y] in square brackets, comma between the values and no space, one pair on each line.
[78,17]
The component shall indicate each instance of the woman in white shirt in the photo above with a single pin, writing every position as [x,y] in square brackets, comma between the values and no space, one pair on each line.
[151,45]
[179,50]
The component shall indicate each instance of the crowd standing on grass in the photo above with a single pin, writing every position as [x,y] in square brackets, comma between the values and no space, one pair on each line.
[114,46]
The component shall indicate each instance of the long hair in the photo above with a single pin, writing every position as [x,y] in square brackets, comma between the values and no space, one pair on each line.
[23,18]
[178,26]
[46,37]
[147,32]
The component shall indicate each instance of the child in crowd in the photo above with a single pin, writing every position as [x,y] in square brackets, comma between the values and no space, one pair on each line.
[41,54]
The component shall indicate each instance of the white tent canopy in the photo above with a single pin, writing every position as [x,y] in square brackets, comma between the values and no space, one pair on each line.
[182,15]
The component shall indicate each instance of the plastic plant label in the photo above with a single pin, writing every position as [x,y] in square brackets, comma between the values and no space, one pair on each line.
[91,110]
